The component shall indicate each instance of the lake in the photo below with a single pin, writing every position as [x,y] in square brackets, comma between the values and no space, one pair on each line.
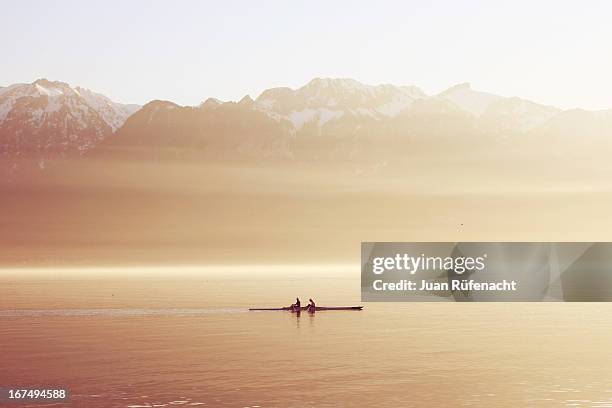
[164,337]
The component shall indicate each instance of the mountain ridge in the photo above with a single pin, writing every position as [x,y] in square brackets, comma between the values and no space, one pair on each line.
[326,117]
[46,118]
[341,120]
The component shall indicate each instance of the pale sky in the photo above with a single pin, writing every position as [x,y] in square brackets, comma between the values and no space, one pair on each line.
[552,52]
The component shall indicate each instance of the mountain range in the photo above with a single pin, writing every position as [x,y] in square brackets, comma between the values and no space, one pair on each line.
[326,118]
[293,175]
[46,119]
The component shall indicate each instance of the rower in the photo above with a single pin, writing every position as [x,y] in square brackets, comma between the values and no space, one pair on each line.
[296,306]
[311,306]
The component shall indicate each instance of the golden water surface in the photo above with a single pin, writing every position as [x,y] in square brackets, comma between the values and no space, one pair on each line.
[166,337]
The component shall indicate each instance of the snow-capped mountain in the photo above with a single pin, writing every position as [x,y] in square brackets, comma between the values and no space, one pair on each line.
[497,111]
[113,113]
[327,117]
[512,114]
[46,118]
[326,99]
[340,119]
[466,98]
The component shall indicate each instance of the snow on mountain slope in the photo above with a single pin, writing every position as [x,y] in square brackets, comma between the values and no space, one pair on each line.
[53,117]
[325,99]
[500,112]
[115,114]
[517,113]
[335,119]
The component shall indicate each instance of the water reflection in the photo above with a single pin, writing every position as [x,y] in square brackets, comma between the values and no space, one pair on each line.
[166,342]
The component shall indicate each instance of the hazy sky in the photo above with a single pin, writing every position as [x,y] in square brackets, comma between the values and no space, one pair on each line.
[553,52]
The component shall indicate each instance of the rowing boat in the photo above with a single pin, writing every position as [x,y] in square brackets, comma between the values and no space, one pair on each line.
[318,308]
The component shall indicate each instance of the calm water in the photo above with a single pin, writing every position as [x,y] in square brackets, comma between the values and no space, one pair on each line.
[185,339]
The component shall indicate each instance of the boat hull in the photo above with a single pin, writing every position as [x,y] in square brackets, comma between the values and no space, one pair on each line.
[304,308]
